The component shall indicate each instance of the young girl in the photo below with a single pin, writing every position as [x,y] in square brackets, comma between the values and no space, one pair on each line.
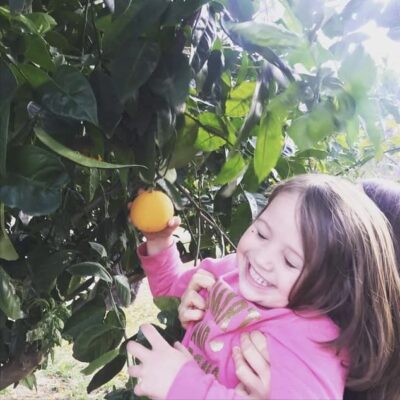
[252,360]
[315,273]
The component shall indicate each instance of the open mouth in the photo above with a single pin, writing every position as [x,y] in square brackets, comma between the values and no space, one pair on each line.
[257,278]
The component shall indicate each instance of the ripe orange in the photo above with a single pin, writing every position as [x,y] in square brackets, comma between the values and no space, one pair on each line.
[151,211]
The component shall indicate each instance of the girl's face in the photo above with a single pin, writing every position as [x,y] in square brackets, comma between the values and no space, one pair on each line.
[270,254]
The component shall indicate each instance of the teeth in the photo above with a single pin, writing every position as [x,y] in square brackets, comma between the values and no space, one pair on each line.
[257,277]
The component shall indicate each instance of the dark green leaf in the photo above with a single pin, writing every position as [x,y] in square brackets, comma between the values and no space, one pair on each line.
[69,94]
[123,289]
[10,303]
[171,79]
[98,248]
[8,86]
[109,106]
[107,373]
[99,362]
[140,16]
[34,181]
[47,267]
[89,314]
[133,67]
[75,156]
[180,9]
[94,341]
[89,268]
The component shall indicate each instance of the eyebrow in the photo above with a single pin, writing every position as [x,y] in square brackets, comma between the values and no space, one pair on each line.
[288,246]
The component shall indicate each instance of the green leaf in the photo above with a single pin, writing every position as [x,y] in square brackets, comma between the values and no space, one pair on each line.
[167,304]
[369,110]
[90,268]
[208,142]
[75,156]
[232,169]
[359,73]
[7,250]
[238,104]
[34,181]
[34,75]
[69,95]
[265,35]
[310,128]
[184,150]
[10,303]
[133,66]
[269,145]
[89,314]
[99,362]
[107,373]
[37,51]
[43,22]
[123,289]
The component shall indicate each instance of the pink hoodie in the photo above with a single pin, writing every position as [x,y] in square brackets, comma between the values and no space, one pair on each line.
[301,368]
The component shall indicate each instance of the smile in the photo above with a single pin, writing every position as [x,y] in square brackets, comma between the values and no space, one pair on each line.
[258,278]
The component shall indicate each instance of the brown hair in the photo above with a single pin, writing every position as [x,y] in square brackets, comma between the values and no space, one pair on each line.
[350,275]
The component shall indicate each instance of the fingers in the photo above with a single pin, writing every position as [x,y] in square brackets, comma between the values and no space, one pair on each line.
[260,343]
[201,280]
[241,390]
[155,339]
[192,299]
[243,372]
[252,362]
[179,346]
[135,371]
[137,350]
[174,222]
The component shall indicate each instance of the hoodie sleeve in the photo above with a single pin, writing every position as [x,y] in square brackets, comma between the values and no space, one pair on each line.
[166,273]
[168,276]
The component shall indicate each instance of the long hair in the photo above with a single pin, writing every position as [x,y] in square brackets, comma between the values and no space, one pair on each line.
[386,195]
[350,275]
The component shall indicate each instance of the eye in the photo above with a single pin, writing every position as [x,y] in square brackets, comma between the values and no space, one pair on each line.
[289,264]
[261,236]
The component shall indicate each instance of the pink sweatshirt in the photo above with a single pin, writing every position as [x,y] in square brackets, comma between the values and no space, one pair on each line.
[300,367]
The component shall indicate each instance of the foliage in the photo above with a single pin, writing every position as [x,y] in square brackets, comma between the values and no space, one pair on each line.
[212,101]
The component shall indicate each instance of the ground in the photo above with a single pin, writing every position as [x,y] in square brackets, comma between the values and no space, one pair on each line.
[62,379]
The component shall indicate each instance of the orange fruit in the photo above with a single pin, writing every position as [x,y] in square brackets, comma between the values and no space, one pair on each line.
[151,211]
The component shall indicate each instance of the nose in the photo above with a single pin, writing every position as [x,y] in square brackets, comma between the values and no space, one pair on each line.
[266,260]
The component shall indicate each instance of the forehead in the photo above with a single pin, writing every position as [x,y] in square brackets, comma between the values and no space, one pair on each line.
[282,216]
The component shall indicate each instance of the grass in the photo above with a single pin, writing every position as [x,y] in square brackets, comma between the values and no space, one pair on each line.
[62,380]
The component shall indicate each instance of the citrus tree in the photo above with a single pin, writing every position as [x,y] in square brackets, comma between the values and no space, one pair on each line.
[210,101]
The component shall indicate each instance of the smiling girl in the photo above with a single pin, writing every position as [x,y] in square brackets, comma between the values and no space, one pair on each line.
[315,274]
